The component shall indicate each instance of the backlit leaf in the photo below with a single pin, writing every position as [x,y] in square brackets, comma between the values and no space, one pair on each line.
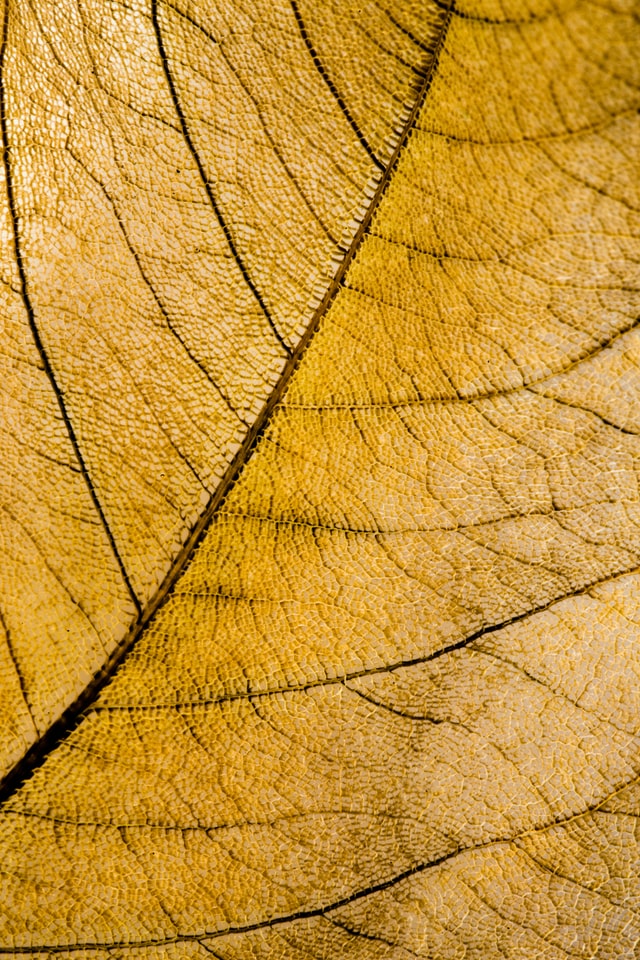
[389,707]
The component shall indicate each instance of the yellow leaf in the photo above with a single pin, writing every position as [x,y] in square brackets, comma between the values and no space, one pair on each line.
[387,704]
[178,188]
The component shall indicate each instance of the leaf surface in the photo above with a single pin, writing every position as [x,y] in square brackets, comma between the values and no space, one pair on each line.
[179,186]
[390,707]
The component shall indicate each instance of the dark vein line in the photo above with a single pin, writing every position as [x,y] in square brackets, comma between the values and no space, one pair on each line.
[396,712]
[404,30]
[14,660]
[528,385]
[526,923]
[345,678]
[509,255]
[508,21]
[61,728]
[152,290]
[209,828]
[393,55]
[309,914]
[583,409]
[547,868]
[317,62]
[54,573]
[385,533]
[549,688]
[603,190]
[362,935]
[537,140]
[355,897]
[30,313]
[210,950]
[205,179]
[254,100]
[20,441]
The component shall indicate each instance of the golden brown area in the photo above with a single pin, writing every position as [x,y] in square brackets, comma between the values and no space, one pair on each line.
[390,708]
[179,184]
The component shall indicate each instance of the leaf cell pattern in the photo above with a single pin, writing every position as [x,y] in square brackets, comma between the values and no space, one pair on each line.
[389,707]
[180,185]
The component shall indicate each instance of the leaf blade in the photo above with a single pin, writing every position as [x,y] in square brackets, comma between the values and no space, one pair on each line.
[162,357]
[369,664]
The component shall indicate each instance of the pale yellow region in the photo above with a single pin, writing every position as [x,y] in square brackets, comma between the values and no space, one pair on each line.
[155,420]
[506,901]
[460,517]
[604,384]
[368,63]
[568,890]
[469,291]
[162,349]
[283,173]
[63,596]
[394,691]
[261,806]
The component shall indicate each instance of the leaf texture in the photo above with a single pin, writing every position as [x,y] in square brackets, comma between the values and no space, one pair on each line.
[179,186]
[390,708]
